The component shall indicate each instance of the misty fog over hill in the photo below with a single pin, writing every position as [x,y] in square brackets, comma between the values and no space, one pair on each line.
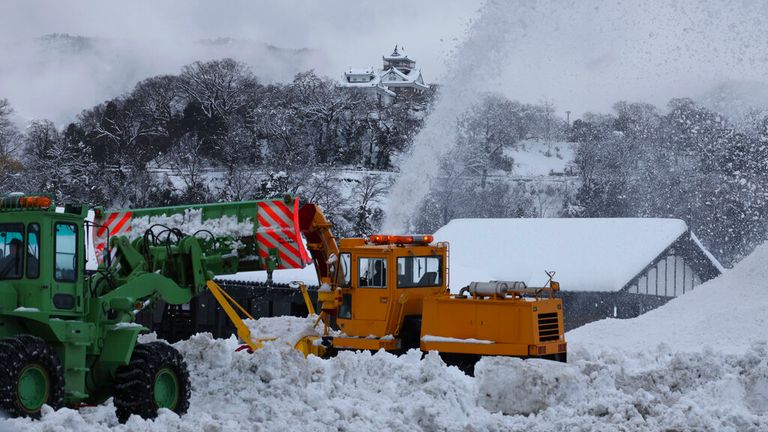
[55,76]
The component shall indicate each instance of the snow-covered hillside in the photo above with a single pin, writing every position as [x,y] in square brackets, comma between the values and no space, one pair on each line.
[535,158]
[631,375]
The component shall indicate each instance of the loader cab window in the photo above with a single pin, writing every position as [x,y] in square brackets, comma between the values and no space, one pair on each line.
[33,251]
[416,272]
[344,276]
[66,252]
[12,252]
[373,272]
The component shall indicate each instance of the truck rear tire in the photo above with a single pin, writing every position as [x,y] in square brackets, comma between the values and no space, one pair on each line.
[465,362]
[30,376]
[156,377]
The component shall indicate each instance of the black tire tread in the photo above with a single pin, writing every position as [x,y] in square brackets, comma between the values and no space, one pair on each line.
[16,353]
[134,383]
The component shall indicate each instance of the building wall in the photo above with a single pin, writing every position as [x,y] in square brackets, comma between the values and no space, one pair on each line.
[677,270]
[671,276]
[581,308]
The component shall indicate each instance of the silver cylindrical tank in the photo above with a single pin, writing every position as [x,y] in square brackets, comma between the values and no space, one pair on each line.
[499,288]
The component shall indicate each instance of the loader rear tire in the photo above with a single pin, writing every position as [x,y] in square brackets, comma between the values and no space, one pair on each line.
[156,377]
[30,376]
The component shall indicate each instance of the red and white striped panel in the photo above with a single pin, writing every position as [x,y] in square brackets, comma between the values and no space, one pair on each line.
[279,229]
[112,224]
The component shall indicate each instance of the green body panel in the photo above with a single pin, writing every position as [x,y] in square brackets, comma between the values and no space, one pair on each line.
[88,319]
[247,257]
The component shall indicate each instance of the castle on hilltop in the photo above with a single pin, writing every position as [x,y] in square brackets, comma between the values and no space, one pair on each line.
[398,75]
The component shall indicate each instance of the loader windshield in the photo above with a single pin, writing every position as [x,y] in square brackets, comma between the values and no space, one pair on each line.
[12,245]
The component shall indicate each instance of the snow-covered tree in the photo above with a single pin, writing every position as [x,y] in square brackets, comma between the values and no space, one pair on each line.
[11,141]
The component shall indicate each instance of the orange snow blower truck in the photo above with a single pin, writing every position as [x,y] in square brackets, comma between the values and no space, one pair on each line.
[391,292]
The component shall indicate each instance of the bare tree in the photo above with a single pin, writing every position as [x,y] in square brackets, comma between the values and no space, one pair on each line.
[10,137]
[158,100]
[220,87]
[188,163]
[10,142]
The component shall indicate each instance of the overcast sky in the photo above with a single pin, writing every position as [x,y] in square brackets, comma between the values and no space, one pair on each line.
[580,54]
[354,32]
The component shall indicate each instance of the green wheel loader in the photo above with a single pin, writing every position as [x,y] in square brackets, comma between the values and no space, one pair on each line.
[67,333]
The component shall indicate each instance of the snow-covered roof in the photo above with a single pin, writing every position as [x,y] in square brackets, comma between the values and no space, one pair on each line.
[587,254]
[396,55]
[412,78]
[360,71]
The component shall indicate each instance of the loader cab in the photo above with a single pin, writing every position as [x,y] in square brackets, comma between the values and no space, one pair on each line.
[41,259]
[384,279]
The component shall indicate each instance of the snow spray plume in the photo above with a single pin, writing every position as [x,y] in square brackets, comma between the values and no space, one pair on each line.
[473,69]
[586,55]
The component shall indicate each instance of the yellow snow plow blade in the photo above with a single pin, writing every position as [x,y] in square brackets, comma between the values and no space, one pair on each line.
[306,345]
[226,302]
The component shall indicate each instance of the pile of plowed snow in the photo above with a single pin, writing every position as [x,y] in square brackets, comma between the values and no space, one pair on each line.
[726,314]
[698,363]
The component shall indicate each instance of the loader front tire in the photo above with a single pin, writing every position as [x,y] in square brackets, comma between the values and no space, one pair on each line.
[30,376]
[156,377]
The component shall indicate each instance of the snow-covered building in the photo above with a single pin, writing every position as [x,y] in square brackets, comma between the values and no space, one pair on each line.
[619,267]
[398,74]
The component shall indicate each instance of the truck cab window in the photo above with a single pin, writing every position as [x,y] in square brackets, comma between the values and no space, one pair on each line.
[373,272]
[343,278]
[11,254]
[33,251]
[415,271]
[66,252]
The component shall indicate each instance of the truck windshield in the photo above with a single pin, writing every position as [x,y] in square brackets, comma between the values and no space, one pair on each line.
[419,271]
[11,247]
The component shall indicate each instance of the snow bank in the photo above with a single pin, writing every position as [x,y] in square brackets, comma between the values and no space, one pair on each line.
[727,314]
[618,379]
[619,392]
[277,389]
[587,254]
[288,330]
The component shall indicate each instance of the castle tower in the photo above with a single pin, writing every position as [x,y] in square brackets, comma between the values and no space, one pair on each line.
[398,73]
[399,61]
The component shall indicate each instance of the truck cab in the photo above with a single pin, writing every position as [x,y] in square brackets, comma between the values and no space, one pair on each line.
[383,281]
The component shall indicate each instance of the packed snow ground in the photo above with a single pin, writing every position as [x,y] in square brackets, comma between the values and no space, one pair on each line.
[698,363]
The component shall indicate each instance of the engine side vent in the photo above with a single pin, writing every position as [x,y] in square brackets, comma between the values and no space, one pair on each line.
[549,329]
